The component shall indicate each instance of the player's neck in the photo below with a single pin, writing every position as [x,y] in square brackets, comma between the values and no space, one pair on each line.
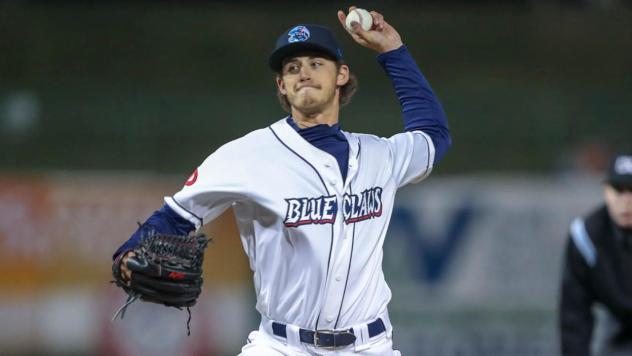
[328,117]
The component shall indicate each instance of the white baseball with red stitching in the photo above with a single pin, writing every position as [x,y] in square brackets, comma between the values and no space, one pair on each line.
[360,16]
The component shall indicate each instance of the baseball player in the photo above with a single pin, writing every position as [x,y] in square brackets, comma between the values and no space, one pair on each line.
[598,270]
[313,202]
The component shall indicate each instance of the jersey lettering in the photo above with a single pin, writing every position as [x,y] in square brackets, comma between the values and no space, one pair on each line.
[303,211]
[322,210]
[361,207]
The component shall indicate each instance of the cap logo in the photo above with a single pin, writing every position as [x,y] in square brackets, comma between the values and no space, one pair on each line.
[623,165]
[298,34]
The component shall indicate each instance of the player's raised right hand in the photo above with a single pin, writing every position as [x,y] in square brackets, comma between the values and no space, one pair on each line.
[382,37]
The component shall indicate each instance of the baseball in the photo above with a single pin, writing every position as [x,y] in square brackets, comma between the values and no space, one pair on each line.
[360,16]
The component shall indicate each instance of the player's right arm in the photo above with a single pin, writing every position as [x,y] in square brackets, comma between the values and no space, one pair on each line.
[421,109]
[427,136]
[575,310]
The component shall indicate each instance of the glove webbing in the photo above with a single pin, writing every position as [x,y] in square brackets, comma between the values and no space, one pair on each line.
[185,249]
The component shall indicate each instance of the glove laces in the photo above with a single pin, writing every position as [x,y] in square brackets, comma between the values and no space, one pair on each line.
[131,299]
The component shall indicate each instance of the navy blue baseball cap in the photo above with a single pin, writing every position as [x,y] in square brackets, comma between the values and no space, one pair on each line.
[303,38]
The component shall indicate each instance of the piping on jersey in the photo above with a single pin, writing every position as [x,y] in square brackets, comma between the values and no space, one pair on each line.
[427,173]
[183,208]
[344,292]
[428,155]
[331,243]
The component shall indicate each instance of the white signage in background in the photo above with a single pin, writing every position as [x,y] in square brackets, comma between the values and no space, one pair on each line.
[474,262]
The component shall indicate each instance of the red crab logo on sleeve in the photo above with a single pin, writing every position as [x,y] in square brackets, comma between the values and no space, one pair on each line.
[192,179]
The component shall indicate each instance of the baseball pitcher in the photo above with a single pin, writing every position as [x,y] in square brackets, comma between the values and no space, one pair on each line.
[312,201]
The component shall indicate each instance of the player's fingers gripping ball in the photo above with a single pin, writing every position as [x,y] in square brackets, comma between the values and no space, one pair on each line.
[361,16]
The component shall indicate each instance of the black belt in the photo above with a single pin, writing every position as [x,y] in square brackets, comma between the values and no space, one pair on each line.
[329,338]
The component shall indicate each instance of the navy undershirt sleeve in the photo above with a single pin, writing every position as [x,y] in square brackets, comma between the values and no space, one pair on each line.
[421,109]
[165,221]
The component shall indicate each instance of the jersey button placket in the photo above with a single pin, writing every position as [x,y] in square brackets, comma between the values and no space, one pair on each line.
[332,174]
[351,172]
[335,288]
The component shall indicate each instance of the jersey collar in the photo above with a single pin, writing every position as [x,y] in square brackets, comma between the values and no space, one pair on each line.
[321,160]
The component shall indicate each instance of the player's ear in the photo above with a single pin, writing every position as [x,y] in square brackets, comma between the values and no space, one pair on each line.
[343,75]
[281,84]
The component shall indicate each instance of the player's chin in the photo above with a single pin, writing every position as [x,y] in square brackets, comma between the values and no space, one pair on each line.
[307,104]
[306,96]
[627,221]
[624,220]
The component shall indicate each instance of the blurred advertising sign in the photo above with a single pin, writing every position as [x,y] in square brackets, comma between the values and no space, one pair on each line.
[474,262]
[484,240]
[64,228]
[57,236]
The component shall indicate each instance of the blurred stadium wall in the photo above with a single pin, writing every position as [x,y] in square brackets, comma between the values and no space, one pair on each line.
[472,260]
[105,107]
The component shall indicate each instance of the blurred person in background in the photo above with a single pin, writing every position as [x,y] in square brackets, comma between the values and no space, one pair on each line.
[598,272]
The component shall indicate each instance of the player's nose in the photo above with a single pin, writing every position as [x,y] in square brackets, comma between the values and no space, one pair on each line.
[305,73]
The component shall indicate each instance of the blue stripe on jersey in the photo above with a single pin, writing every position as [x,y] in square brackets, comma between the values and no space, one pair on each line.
[164,221]
[421,109]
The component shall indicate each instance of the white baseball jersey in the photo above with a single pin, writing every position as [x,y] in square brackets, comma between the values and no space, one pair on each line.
[313,241]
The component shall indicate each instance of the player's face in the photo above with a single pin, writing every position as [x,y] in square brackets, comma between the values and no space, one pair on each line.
[311,83]
[619,202]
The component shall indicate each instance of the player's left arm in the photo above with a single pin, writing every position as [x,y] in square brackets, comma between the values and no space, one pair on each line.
[421,109]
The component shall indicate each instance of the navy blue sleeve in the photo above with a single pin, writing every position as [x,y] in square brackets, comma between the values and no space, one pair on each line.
[421,109]
[164,221]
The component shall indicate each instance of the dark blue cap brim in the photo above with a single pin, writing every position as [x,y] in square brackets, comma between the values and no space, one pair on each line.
[276,58]
[621,180]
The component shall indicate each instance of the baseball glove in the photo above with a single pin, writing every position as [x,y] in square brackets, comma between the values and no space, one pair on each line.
[166,269]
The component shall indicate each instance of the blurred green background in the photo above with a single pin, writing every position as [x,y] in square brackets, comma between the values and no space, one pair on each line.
[158,86]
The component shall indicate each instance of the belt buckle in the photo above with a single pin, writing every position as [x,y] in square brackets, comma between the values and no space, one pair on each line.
[329,332]
[316,339]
